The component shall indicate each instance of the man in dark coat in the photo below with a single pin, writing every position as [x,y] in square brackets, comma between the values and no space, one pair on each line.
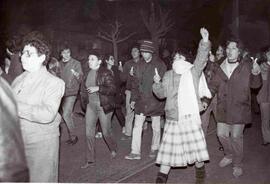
[144,101]
[232,82]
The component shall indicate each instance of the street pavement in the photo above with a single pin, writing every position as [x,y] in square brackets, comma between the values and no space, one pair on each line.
[106,170]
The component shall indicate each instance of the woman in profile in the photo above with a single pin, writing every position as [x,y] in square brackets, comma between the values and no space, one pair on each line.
[38,94]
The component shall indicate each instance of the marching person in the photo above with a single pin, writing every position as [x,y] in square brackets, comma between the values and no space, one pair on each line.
[143,100]
[183,140]
[101,89]
[71,73]
[38,94]
[231,83]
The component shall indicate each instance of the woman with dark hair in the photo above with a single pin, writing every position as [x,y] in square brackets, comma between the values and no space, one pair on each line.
[38,94]
[100,89]
[183,141]
[119,96]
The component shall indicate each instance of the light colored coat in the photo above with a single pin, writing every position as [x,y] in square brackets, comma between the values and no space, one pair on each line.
[38,96]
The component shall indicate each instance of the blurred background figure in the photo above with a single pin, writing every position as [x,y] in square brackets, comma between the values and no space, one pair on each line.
[13,166]
[71,73]
[264,99]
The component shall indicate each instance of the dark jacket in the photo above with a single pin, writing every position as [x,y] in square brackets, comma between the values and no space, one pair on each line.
[120,93]
[125,76]
[233,94]
[145,100]
[71,82]
[107,90]
[263,95]
[15,68]
[13,166]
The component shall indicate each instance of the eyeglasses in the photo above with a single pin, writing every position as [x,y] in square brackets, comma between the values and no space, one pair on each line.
[27,53]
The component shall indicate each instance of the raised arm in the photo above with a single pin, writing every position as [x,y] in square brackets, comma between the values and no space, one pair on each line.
[202,52]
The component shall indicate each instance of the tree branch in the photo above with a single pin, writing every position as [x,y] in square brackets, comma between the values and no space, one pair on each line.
[104,37]
[126,37]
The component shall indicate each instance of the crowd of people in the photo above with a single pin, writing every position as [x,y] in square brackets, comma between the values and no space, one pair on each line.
[42,92]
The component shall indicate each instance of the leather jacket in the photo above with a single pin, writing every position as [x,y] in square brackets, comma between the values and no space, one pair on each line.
[107,90]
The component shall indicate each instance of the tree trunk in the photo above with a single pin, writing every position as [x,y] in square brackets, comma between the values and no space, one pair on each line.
[115,51]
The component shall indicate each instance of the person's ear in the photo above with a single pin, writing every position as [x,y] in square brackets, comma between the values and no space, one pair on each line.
[99,61]
[42,57]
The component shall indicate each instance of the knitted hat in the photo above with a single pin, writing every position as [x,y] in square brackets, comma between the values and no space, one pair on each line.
[147,46]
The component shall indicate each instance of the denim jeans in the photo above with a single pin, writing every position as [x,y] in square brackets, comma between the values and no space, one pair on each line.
[265,118]
[67,110]
[137,133]
[129,115]
[231,138]
[42,160]
[94,112]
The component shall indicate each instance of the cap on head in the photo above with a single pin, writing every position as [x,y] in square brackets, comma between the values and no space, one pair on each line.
[147,46]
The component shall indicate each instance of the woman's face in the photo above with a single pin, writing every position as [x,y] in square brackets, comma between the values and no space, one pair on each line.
[220,51]
[110,61]
[31,61]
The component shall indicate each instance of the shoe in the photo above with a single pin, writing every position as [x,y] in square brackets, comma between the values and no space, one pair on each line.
[237,171]
[161,178]
[221,148]
[225,161]
[265,143]
[200,175]
[153,153]
[113,154]
[73,140]
[125,138]
[98,135]
[88,164]
[133,156]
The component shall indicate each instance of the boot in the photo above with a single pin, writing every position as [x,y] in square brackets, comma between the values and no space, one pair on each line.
[161,178]
[200,175]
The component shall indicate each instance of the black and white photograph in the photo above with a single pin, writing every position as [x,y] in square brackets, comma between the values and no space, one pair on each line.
[135,91]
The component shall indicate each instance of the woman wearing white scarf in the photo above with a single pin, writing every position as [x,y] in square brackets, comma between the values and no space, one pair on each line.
[183,140]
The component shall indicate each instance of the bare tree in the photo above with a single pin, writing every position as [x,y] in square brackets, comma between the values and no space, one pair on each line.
[111,33]
[157,22]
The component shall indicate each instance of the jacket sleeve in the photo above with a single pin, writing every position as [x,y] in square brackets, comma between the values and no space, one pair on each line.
[48,109]
[201,57]
[108,86]
[160,89]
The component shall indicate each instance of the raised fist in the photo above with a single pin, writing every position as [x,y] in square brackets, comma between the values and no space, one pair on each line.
[205,34]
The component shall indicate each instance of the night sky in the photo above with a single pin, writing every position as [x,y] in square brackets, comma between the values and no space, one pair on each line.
[18,17]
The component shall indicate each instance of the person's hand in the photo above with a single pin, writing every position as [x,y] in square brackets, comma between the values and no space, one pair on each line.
[92,89]
[132,105]
[255,66]
[157,78]
[205,34]
[76,74]
[131,72]
[120,66]
[202,106]
[211,57]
